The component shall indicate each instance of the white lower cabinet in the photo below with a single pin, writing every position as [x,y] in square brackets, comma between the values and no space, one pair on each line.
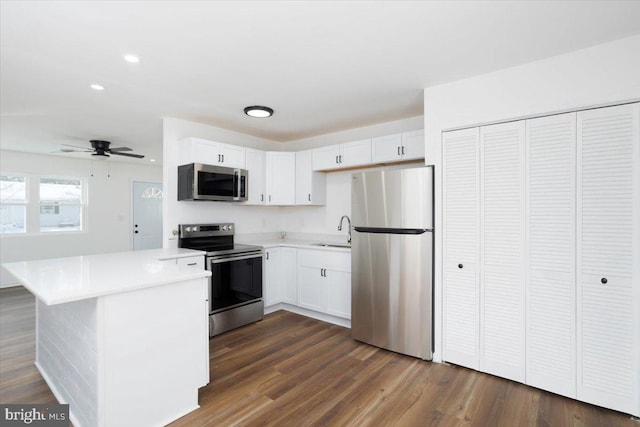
[324,281]
[279,276]
[289,287]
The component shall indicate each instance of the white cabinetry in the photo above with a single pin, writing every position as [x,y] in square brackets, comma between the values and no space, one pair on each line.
[192,261]
[311,186]
[324,282]
[256,165]
[461,208]
[608,264]
[502,185]
[280,276]
[197,150]
[281,175]
[550,223]
[398,147]
[346,155]
[557,200]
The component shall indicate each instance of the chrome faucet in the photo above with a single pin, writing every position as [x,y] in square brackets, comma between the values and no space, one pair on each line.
[340,226]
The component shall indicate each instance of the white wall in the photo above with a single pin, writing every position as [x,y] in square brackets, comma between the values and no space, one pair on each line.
[109,207]
[603,74]
[261,219]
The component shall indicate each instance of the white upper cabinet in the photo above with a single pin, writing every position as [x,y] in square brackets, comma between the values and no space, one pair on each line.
[355,153]
[311,186]
[281,176]
[386,148]
[256,165]
[398,147]
[608,257]
[346,155]
[197,150]
[413,145]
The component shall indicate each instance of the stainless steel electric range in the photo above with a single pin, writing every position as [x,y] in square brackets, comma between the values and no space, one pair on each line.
[235,287]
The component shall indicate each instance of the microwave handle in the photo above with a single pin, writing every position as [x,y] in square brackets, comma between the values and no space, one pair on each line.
[236,175]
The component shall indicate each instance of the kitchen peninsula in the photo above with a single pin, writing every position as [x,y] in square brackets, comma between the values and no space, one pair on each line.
[121,337]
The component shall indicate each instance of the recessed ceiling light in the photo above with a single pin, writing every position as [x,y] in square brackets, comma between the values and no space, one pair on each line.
[152,160]
[131,58]
[258,111]
[97,87]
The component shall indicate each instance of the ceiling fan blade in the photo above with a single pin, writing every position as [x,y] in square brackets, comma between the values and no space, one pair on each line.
[76,146]
[137,156]
[71,150]
[120,149]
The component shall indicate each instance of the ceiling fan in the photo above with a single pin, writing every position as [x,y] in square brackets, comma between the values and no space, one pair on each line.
[100,150]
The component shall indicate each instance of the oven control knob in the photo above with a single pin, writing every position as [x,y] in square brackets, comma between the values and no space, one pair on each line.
[230,227]
[188,229]
[224,228]
[194,229]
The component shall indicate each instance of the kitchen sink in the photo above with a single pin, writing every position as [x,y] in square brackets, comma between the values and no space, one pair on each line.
[333,245]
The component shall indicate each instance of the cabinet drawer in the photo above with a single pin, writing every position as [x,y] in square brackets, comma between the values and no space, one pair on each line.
[193,261]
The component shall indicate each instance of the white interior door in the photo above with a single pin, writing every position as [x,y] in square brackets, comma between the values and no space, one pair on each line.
[147,215]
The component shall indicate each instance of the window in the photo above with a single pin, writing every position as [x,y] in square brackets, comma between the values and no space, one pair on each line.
[60,204]
[33,204]
[13,204]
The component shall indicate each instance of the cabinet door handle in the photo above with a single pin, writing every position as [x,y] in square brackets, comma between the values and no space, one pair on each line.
[219,159]
[340,158]
[193,263]
[460,265]
[403,150]
[309,197]
[604,280]
[398,151]
[266,254]
[223,158]
[269,197]
[321,272]
[337,159]
[262,197]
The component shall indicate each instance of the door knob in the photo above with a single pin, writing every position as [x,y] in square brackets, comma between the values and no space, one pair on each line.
[604,280]
[136,231]
[460,265]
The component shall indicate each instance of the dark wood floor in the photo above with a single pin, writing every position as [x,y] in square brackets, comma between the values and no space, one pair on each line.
[289,370]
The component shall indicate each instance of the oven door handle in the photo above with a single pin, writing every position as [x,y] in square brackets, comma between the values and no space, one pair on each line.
[236,258]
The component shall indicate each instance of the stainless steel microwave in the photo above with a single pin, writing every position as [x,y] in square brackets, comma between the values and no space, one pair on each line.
[197,181]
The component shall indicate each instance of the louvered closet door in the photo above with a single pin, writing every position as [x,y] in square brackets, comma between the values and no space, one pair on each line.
[551,337]
[609,257]
[461,246]
[502,307]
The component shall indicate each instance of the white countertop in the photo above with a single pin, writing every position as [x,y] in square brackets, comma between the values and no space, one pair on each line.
[60,280]
[294,243]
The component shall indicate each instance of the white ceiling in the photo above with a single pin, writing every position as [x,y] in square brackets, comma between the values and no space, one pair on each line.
[323,66]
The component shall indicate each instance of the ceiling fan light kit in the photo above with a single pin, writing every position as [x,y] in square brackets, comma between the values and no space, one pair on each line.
[258,111]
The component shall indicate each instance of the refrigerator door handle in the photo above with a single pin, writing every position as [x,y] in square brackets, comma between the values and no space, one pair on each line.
[380,230]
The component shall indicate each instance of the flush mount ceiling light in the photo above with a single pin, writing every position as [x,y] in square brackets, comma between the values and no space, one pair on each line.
[258,111]
[96,87]
[131,58]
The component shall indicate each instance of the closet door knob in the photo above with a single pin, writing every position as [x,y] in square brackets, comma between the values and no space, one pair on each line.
[460,265]
[604,280]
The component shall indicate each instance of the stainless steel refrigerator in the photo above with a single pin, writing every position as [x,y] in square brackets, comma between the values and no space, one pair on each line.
[392,260]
